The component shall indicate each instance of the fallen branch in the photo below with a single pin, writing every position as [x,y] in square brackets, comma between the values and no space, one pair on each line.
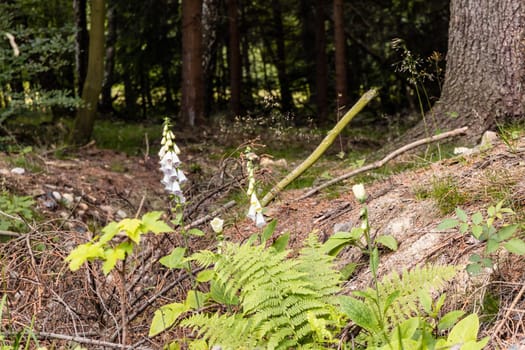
[386,159]
[81,340]
[323,146]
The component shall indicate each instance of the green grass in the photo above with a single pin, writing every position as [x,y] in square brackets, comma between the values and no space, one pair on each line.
[445,191]
[126,137]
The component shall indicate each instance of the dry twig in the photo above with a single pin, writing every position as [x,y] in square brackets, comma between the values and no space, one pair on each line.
[386,159]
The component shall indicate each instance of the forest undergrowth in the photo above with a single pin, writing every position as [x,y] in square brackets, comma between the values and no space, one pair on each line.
[156,272]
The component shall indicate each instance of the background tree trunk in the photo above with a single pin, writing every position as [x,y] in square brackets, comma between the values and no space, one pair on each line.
[321,71]
[81,42]
[284,86]
[192,72]
[485,73]
[234,56]
[85,118]
[341,88]
[106,100]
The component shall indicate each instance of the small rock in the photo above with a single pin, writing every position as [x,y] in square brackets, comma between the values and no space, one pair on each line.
[121,214]
[343,226]
[56,195]
[82,206]
[107,209]
[488,139]
[463,151]
[18,171]
[68,198]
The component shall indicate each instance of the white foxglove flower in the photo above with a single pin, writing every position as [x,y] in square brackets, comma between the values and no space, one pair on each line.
[359,192]
[217,225]
[182,178]
[170,164]
[259,220]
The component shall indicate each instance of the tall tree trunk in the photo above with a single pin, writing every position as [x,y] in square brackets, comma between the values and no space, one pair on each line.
[286,95]
[192,72]
[210,27]
[85,118]
[106,101]
[485,73]
[234,57]
[81,42]
[247,82]
[308,30]
[321,72]
[340,55]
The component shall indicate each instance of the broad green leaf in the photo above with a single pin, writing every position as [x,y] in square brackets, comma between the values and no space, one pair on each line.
[390,299]
[205,276]
[151,222]
[339,240]
[477,218]
[388,241]
[405,330]
[463,227]
[450,319]
[447,224]
[174,259]
[348,270]
[268,231]
[474,258]
[492,246]
[439,303]
[474,268]
[199,344]
[111,257]
[359,312]
[196,232]
[486,262]
[165,317]
[506,232]
[491,211]
[462,216]
[131,228]
[515,246]
[178,220]
[196,299]
[82,253]
[465,330]
[281,242]
[172,346]
[109,231]
[477,230]
[425,299]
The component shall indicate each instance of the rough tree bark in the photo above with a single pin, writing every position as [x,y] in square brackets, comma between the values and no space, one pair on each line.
[85,118]
[280,63]
[341,88]
[234,57]
[321,70]
[106,100]
[485,73]
[192,72]
[81,42]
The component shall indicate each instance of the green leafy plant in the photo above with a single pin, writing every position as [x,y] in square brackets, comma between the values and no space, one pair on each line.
[263,298]
[14,210]
[104,248]
[482,227]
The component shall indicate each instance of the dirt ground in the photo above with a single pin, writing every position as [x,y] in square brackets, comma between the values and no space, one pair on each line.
[77,196]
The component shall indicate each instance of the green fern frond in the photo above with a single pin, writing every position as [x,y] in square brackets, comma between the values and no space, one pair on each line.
[278,297]
[432,278]
[205,258]
[212,329]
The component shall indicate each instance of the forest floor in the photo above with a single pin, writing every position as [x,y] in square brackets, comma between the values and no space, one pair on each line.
[77,195]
